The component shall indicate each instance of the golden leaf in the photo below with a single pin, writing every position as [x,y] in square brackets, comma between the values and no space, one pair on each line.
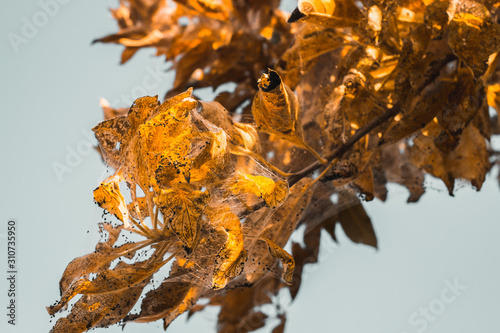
[247,137]
[181,147]
[285,257]
[217,9]
[309,45]
[109,197]
[493,95]
[107,281]
[276,110]
[118,137]
[211,160]
[375,18]
[273,193]
[92,262]
[424,154]
[183,210]
[230,259]
[316,6]
[328,13]
[99,310]
[173,163]
[165,141]
[474,39]
[470,159]
[142,109]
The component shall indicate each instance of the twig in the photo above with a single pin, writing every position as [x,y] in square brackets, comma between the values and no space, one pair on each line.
[358,135]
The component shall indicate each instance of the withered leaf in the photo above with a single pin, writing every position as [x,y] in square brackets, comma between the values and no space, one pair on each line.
[470,159]
[305,255]
[172,298]
[281,327]
[217,9]
[109,197]
[111,134]
[240,307]
[182,210]
[329,13]
[427,106]
[211,157]
[99,310]
[118,136]
[397,168]
[91,263]
[309,45]
[465,102]
[166,140]
[280,225]
[166,302]
[142,109]
[231,258]
[106,281]
[424,154]
[141,208]
[285,257]
[87,313]
[277,111]
[273,193]
[356,223]
[366,184]
[474,39]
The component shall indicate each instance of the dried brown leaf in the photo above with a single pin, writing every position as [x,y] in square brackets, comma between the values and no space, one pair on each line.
[286,259]
[182,210]
[231,258]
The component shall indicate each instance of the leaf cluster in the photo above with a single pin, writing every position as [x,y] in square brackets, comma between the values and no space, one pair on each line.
[357,93]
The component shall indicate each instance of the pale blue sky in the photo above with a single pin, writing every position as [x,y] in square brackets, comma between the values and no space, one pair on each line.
[50,93]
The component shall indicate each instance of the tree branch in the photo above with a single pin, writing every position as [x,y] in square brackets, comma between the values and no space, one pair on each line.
[358,135]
